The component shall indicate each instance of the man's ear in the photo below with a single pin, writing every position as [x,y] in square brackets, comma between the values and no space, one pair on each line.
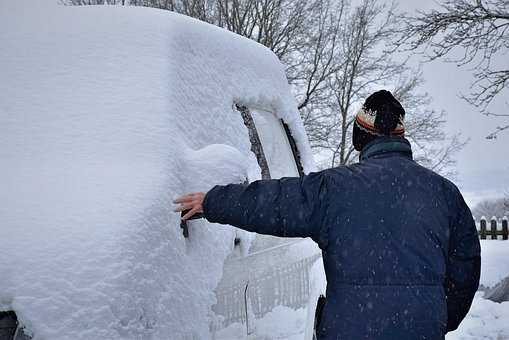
[356,138]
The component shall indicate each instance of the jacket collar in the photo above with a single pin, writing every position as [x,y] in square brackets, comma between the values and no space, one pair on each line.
[386,145]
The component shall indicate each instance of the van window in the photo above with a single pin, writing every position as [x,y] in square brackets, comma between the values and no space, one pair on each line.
[272,142]
[276,152]
[277,144]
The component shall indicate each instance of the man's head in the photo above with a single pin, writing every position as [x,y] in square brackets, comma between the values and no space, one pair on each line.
[381,115]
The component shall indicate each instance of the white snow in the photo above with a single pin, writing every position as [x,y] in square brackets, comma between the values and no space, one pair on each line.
[280,323]
[486,320]
[106,114]
[494,261]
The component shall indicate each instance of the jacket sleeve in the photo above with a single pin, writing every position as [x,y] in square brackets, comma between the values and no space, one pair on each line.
[287,207]
[463,265]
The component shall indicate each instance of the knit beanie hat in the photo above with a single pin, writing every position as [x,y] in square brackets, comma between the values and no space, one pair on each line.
[381,115]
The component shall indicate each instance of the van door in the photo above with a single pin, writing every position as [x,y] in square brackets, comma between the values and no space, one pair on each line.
[274,277]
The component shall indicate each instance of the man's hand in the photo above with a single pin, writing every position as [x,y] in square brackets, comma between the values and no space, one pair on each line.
[192,202]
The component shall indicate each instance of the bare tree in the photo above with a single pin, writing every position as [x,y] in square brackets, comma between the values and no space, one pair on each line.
[366,61]
[506,202]
[490,207]
[94,2]
[316,57]
[480,28]
[425,127]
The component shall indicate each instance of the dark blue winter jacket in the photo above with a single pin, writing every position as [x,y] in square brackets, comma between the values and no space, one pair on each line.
[400,247]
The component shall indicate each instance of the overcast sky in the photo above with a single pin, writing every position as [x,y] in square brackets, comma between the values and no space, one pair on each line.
[483,165]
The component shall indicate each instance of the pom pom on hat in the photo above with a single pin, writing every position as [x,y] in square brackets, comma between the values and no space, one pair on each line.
[381,115]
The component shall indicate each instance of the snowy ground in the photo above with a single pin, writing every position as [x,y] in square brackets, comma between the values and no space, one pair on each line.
[486,319]
[495,262]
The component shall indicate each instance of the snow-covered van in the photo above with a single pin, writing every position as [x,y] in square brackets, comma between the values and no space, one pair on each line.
[107,113]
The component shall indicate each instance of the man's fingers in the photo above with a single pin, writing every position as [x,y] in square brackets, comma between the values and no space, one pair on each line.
[184,207]
[185,198]
[191,202]
[190,214]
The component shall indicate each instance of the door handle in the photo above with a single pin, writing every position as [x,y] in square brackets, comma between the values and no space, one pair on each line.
[183,224]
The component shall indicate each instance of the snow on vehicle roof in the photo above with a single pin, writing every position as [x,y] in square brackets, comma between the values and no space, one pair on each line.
[106,114]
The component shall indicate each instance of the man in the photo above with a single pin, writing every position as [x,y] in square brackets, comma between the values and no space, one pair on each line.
[400,247]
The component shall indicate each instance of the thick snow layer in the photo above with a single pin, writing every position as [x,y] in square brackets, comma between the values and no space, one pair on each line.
[231,70]
[106,114]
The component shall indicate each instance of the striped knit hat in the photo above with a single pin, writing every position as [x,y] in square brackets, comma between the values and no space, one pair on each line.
[381,115]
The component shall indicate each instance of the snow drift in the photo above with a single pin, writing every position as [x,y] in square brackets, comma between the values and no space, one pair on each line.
[106,114]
